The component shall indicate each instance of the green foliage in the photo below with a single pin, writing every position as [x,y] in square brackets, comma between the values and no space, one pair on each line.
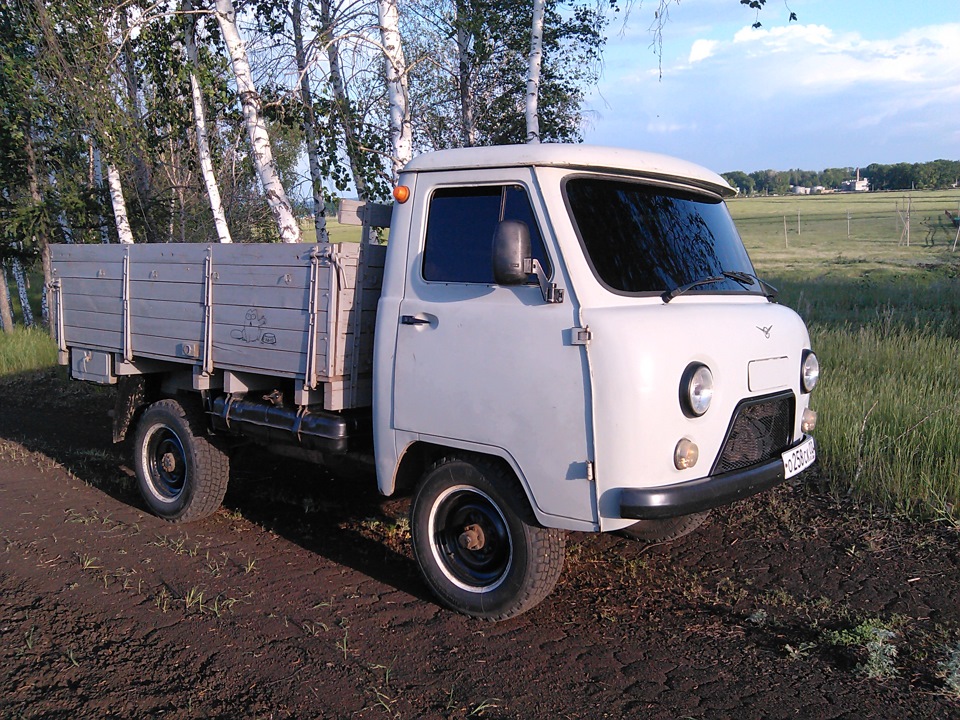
[902,176]
[949,670]
[491,64]
[876,639]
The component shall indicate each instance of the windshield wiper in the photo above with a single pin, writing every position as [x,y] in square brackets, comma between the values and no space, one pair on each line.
[769,291]
[745,279]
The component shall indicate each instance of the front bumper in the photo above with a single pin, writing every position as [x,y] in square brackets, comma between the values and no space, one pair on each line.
[698,495]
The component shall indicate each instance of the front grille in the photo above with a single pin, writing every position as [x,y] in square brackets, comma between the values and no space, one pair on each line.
[759,431]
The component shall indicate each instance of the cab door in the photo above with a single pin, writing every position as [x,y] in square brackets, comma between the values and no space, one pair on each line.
[487,367]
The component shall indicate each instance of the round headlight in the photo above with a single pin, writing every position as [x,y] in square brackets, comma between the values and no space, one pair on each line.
[809,371]
[696,390]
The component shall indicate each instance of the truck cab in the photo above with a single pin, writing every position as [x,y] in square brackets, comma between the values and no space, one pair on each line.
[645,377]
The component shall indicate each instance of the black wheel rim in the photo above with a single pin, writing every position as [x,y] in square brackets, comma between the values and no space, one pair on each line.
[471,540]
[166,463]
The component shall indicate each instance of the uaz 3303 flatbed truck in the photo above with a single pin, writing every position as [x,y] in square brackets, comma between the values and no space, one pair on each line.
[554,338]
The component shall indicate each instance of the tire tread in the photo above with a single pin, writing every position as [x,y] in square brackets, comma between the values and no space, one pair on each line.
[547,546]
[212,464]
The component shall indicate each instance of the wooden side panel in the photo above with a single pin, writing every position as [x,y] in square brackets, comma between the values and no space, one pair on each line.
[263,300]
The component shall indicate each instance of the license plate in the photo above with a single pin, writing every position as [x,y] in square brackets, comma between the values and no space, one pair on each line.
[799,458]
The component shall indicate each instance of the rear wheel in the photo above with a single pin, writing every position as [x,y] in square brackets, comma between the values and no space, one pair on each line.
[665,529]
[181,474]
[476,542]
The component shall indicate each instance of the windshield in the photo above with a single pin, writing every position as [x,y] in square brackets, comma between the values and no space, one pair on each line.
[646,239]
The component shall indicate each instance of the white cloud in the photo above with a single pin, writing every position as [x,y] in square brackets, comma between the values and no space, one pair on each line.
[791,96]
[667,128]
[701,50]
[813,56]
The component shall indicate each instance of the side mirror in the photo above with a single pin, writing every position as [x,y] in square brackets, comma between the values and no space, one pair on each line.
[511,252]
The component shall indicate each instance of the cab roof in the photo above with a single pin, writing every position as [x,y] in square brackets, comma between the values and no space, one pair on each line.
[574,157]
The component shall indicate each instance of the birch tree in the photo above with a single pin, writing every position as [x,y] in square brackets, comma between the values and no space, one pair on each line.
[309,124]
[200,122]
[261,151]
[469,85]
[20,279]
[464,69]
[396,71]
[142,176]
[124,234]
[533,72]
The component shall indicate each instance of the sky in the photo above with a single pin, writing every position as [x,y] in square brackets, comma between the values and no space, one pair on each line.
[852,82]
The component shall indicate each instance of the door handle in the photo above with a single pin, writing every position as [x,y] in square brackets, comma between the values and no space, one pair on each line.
[413,320]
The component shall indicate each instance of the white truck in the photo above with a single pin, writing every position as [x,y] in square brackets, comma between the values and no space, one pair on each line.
[553,338]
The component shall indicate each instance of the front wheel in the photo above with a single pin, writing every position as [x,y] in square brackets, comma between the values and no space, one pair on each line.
[476,542]
[182,476]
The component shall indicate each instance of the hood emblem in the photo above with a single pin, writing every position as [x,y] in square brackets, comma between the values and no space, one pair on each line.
[765,330]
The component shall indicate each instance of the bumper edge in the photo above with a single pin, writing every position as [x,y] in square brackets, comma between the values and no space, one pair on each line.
[703,494]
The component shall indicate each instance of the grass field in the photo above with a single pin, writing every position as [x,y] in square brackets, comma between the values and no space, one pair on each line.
[25,350]
[884,318]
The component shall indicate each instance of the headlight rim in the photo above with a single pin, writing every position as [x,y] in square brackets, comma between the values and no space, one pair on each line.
[806,386]
[687,404]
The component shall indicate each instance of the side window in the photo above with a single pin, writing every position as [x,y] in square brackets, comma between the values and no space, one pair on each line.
[460,228]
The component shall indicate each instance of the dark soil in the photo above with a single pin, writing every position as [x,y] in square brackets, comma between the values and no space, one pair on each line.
[300,600]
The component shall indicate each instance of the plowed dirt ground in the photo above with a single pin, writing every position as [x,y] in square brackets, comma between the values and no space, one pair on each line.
[300,600]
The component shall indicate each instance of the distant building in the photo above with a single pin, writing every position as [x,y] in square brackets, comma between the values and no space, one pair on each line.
[799,190]
[857,185]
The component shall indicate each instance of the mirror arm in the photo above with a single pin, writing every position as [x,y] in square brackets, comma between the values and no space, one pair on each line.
[551,293]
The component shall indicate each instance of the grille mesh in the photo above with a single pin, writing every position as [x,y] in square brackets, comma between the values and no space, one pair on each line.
[760,430]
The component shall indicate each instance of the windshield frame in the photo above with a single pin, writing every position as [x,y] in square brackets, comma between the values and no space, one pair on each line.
[673,189]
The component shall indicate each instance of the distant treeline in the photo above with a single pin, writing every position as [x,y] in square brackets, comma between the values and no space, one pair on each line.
[902,176]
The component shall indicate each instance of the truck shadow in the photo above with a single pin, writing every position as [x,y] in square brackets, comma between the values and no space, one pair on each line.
[343,520]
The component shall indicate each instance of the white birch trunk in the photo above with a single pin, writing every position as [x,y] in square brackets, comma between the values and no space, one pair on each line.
[261,151]
[533,72]
[468,125]
[400,131]
[206,164]
[200,122]
[21,280]
[309,129]
[124,233]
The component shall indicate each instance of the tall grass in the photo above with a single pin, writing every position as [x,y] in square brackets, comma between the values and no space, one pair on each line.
[888,408]
[885,321]
[26,349]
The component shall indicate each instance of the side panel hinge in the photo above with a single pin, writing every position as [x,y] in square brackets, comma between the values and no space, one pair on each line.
[580,336]
[591,473]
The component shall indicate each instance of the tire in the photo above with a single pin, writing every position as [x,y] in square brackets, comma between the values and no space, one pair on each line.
[478,555]
[652,531]
[181,474]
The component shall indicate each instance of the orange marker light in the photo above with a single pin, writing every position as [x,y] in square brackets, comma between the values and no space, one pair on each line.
[401,193]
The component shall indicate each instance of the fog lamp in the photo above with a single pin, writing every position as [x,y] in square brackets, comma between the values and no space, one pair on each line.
[808,421]
[686,454]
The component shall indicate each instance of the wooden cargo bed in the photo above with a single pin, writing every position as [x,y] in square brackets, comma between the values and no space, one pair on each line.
[305,312]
